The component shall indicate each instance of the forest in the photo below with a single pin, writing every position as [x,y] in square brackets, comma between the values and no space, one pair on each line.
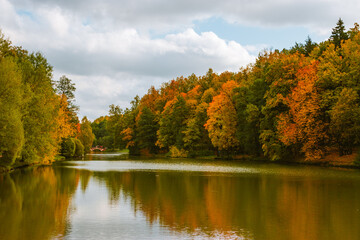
[297,103]
[38,118]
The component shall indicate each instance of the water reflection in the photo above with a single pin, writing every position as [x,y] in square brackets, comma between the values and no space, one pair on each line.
[34,203]
[72,202]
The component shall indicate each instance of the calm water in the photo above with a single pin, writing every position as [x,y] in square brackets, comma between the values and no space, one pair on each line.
[112,197]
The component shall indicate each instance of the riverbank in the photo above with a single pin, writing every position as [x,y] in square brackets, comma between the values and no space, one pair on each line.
[331,160]
[16,166]
[334,160]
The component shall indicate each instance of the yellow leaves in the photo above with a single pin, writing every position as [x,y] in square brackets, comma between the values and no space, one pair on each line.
[64,127]
[222,122]
[228,87]
[194,93]
[128,136]
[191,103]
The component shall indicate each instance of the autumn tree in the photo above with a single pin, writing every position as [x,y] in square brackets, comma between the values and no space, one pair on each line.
[66,89]
[278,70]
[128,130]
[33,117]
[303,125]
[222,121]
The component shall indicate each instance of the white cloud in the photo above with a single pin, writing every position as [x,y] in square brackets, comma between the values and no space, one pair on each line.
[108,48]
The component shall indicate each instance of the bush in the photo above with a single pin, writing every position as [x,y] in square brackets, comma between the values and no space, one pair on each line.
[79,148]
[177,153]
[68,147]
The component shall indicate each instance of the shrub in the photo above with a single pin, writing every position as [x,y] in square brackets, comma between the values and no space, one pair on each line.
[177,153]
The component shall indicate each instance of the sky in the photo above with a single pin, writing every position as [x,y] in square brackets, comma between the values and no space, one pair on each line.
[114,50]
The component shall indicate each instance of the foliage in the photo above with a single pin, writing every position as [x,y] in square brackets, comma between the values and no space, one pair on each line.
[222,121]
[146,130]
[34,118]
[79,148]
[177,153]
[338,34]
[68,147]
[11,126]
[86,135]
[301,102]
[345,121]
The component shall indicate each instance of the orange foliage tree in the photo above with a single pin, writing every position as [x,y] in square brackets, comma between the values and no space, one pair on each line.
[303,124]
[221,124]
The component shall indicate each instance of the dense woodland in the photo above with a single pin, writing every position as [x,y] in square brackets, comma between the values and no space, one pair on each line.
[38,118]
[298,103]
[301,102]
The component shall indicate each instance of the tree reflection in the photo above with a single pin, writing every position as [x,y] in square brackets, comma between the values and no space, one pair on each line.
[252,206]
[34,203]
[37,203]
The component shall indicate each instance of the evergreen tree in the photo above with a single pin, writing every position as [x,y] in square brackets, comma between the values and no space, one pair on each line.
[339,34]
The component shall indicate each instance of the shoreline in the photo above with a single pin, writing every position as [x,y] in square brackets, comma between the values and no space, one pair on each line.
[330,161]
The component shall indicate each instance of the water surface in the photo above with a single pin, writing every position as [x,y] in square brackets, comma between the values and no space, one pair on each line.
[109,196]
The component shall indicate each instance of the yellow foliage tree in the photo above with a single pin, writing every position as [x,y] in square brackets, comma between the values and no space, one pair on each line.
[222,122]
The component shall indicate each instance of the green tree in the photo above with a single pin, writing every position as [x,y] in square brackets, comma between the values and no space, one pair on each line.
[79,148]
[40,109]
[11,127]
[305,49]
[114,126]
[345,121]
[196,137]
[68,147]
[339,34]
[146,130]
[86,135]
[172,123]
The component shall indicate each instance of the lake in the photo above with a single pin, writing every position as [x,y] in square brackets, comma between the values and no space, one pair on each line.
[110,196]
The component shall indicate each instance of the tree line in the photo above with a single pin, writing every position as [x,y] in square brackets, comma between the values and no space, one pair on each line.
[38,117]
[301,102]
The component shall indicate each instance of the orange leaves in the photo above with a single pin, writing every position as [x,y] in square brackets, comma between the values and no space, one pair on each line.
[302,123]
[222,121]
[227,87]
[288,130]
[128,137]
[194,93]
[65,128]
[149,99]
